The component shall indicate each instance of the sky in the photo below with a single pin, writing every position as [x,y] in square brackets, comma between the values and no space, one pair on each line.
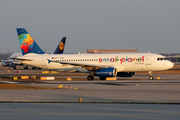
[146,25]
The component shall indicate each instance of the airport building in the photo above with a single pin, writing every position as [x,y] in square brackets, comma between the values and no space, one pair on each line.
[93,51]
[173,57]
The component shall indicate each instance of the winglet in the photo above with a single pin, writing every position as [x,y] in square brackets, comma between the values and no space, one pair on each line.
[60,47]
[27,43]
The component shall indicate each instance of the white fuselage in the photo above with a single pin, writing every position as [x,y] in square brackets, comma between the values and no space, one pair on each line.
[123,62]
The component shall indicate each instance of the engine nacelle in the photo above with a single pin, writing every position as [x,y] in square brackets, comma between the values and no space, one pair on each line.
[125,74]
[106,72]
[12,64]
[5,64]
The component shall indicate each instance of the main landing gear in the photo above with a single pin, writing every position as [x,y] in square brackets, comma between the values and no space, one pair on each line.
[150,75]
[90,77]
[26,67]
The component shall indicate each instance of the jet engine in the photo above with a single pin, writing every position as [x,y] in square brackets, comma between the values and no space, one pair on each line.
[5,64]
[106,72]
[12,64]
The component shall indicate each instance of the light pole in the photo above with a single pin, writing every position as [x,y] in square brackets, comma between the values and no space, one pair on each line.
[8,54]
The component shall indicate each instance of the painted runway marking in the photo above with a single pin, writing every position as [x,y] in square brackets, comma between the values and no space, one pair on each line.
[9,82]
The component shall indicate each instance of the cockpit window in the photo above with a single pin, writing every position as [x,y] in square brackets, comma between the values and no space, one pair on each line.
[158,59]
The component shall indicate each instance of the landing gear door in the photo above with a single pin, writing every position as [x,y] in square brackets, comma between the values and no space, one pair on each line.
[148,60]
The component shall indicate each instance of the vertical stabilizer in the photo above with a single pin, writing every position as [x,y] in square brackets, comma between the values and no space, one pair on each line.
[27,43]
[60,47]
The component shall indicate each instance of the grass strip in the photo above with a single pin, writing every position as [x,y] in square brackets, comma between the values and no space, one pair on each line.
[15,86]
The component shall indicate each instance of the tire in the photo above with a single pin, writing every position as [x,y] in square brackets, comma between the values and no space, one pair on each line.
[90,78]
[151,78]
[102,78]
[33,67]
[25,68]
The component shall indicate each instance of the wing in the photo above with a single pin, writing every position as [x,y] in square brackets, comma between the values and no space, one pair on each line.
[21,59]
[85,65]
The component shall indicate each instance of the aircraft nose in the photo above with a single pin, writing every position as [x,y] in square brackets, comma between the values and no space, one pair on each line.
[170,65]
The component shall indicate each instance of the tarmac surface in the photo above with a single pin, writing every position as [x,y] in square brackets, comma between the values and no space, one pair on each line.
[127,98]
[85,111]
[163,91]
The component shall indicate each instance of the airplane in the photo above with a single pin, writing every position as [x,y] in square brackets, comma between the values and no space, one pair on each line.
[10,62]
[38,50]
[101,65]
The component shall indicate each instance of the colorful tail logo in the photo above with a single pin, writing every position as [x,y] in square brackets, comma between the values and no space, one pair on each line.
[27,44]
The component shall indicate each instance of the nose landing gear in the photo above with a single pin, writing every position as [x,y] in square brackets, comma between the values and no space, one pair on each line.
[150,76]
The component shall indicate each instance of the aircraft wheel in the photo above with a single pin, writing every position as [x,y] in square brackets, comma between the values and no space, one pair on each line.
[25,67]
[90,77]
[151,78]
[33,67]
[102,78]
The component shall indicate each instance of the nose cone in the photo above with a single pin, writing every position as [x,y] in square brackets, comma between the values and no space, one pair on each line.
[169,65]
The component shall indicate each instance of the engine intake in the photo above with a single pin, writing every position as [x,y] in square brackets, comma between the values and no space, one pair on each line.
[5,64]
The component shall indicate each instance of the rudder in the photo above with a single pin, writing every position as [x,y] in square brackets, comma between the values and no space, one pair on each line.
[27,43]
[60,47]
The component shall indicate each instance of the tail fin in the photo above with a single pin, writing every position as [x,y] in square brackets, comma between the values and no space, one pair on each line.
[60,47]
[27,43]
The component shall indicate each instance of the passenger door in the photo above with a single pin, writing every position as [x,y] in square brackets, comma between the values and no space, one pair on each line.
[148,60]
